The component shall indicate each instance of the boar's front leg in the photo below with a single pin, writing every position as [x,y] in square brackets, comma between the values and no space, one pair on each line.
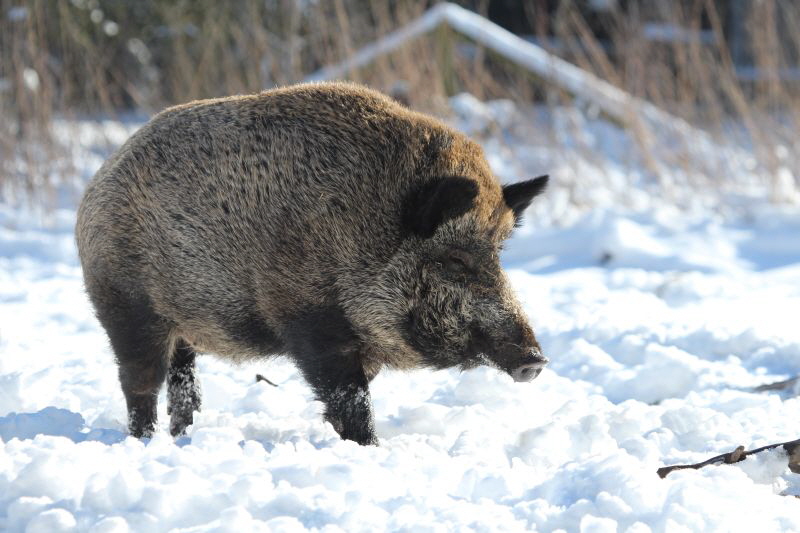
[341,385]
[325,349]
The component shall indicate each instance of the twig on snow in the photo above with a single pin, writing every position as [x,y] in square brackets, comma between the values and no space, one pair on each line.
[792,447]
[259,377]
[778,385]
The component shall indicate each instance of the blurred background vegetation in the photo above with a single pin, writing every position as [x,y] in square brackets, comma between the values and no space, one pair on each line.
[728,67]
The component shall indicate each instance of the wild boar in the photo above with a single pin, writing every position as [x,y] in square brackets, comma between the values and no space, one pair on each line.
[324,222]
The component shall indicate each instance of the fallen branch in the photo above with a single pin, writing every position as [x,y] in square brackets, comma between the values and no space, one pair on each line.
[259,377]
[792,447]
[622,106]
[778,385]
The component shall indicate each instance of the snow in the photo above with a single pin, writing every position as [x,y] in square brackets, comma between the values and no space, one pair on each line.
[659,318]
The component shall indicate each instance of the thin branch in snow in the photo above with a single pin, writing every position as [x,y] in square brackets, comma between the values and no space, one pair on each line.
[778,385]
[792,448]
[259,377]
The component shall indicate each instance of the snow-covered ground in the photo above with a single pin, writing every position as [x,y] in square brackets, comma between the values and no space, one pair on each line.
[659,322]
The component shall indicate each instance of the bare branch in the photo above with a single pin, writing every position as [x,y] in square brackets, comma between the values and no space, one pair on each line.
[778,385]
[259,377]
[739,454]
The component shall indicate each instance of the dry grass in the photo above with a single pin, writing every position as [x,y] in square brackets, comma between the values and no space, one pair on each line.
[104,57]
[753,104]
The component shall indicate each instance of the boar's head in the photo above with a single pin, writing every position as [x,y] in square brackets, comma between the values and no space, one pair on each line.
[459,308]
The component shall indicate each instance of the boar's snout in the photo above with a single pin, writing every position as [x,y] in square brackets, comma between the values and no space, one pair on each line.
[518,354]
[530,369]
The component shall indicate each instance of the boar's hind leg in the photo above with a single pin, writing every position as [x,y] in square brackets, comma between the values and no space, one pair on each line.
[183,389]
[140,339]
[325,348]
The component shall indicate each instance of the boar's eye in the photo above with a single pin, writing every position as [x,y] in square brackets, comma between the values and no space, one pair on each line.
[457,262]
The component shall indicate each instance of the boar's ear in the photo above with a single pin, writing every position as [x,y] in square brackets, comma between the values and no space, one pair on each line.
[436,202]
[518,196]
